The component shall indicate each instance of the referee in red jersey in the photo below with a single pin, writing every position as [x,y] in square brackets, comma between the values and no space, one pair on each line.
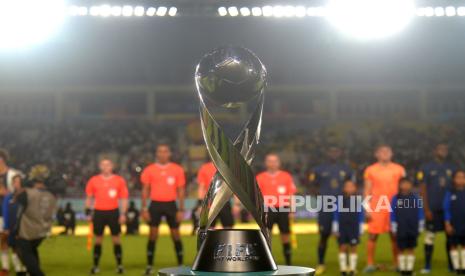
[106,190]
[277,186]
[163,182]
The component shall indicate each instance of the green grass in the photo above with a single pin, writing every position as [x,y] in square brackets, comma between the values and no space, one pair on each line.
[67,256]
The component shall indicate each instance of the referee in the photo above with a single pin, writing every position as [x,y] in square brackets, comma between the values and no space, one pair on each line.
[163,182]
[277,187]
[106,190]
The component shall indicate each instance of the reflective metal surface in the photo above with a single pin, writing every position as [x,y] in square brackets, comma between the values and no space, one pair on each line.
[231,76]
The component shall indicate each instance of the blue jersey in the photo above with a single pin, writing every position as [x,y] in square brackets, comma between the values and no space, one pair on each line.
[330,177]
[349,220]
[9,211]
[407,213]
[454,210]
[438,179]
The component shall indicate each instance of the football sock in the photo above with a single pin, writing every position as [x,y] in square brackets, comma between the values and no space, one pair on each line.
[454,255]
[118,253]
[287,252]
[428,255]
[462,258]
[150,252]
[353,262]
[179,251]
[343,261]
[410,263]
[97,254]
[402,262]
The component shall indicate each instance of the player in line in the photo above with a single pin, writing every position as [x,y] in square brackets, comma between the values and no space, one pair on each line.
[454,215]
[163,182]
[434,179]
[278,186]
[104,193]
[328,179]
[347,227]
[407,221]
[381,181]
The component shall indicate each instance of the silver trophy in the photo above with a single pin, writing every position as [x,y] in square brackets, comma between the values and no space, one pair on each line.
[230,77]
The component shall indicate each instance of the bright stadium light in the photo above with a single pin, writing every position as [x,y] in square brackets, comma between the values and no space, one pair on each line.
[245,11]
[172,11]
[439,11]
[116,11]
[256,11]
[151,11]
[139,11]
[24,23]
[222,11]
[233,11]
[127,11]
[105,10]
[451,11]
[300,11]
[267,11]
[461,11]
[429,11]
[278,11]
[161,11]
[370,19]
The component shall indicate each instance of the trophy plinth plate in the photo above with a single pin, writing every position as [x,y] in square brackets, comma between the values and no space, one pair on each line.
[281,271]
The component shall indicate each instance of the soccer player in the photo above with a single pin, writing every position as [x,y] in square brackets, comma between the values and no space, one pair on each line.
[10,210]
[381,183]
[348,226]
[454,216]
[7,174]
[277,187]
[434,179]
[69,216]
[104,193]
[328,178]
[204,178]
[164,183]
[132,219]
[407,221]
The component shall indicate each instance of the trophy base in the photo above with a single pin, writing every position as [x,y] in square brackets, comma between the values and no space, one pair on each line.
[234,250]
[281,271]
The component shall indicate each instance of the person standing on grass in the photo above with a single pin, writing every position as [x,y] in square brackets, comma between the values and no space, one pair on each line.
[347,227]
[454,217]
[407,221]
[35,213]
[163,182]
[105,192]
[277,187]
[204,178]
[434,179]
[328,178]
[381,183]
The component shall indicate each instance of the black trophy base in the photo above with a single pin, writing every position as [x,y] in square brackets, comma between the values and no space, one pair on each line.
[281,271]
[234,250]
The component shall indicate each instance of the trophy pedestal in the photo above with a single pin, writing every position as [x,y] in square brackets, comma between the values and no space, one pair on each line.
[282,271]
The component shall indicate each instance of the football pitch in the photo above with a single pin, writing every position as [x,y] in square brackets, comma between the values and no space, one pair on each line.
[67,255]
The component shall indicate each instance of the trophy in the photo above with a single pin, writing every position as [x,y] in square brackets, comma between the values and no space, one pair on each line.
[230,77]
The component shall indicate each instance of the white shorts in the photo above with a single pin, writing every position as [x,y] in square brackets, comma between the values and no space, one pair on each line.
[1,225]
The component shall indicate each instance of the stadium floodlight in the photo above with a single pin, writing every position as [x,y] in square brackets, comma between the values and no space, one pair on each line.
[429,11]
[116,11]
[256,11]
[370,19]
[461,11]
[105,10]
[222,11]
[439,11]
[82,11]
[278,11]
[151,11]
[172,11]
[127,11]
[289,11]
[139,11]
[245,11]
[24,23]
[161,11]
[300,11]
[451,11]
[233,11]
[267,11]
[94,10]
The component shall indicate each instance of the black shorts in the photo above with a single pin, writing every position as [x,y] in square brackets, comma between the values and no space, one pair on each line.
[349,236]
[103,218]
[225,216]
[457,240]
[160,209]
[406,241]
[437,224]
[325,223]
[280,218]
